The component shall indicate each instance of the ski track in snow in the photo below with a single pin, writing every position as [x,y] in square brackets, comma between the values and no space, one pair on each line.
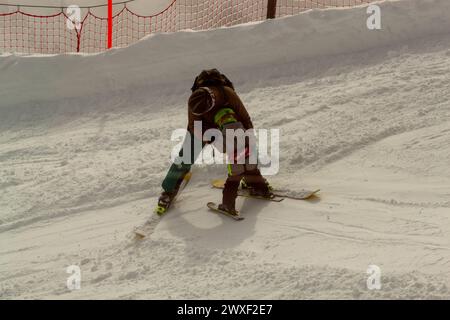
[371,129]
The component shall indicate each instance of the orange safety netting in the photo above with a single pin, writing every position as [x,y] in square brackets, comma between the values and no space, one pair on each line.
[28,33]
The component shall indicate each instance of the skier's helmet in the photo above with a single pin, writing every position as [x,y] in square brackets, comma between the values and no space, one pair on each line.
[211,77]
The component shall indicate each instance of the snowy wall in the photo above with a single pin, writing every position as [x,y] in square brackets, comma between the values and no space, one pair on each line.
[23,31]
[163,66]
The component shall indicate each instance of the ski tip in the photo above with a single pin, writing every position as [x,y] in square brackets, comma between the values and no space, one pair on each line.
[139,234]
[314,193]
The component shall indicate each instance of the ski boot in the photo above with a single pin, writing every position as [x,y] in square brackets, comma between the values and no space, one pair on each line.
[164,202]
[262,193]
[229,210]
[245,186]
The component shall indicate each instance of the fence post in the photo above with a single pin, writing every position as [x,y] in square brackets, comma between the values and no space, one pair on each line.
[271,9]
[110,22]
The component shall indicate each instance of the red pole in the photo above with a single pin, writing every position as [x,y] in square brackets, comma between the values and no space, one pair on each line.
[271,9]
[110,22]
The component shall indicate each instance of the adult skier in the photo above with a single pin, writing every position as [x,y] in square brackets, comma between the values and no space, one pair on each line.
[215,103]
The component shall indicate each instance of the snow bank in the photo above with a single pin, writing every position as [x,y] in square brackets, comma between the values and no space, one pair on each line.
[163,65]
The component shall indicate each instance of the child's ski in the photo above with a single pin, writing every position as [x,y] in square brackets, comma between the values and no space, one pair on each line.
[148,226]
[214,207]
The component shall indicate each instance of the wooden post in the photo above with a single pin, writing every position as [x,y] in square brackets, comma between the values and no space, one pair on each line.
[271,9]
[110,22]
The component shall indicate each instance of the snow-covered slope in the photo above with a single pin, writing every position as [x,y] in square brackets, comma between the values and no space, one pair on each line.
[364,115]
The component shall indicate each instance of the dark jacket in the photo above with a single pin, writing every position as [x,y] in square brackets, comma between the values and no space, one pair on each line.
[205,102]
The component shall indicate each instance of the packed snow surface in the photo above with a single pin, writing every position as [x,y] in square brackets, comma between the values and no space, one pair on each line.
[364,116]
